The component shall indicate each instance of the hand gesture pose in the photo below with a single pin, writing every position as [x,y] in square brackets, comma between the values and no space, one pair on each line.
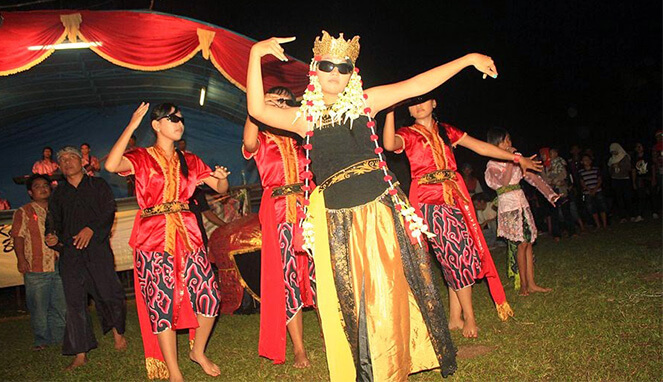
[272,46]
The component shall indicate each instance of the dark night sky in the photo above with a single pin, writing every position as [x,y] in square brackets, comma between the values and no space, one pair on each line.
[570,71]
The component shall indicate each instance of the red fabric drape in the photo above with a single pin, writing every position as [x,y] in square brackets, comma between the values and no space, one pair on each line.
[21,30]
[271,343]
[141,41]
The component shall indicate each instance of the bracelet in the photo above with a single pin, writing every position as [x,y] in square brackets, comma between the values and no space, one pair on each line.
[516,158]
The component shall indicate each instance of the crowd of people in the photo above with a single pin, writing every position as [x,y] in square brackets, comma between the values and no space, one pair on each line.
[339,235]
[596,191]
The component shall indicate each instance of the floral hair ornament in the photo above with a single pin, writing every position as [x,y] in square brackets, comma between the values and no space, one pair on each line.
[351,104]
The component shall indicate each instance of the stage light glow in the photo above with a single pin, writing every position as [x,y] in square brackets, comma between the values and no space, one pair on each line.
[202,96]
[66,45]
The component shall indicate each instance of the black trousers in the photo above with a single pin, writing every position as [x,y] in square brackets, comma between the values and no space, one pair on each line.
[90,272]
[562,219]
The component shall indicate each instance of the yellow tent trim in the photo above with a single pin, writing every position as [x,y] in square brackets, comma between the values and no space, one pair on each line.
[36,61]
[226,75]
[205,38]
[140,67]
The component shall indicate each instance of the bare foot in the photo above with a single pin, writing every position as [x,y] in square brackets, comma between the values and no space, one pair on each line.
[209,367]
[301,360]
[538,289]
[470,329]
[176,378]
[120,343]
[456,324]
[79,360]
[39,347]
[523,292]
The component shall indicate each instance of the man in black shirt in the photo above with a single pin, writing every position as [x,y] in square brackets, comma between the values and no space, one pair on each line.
[80,217]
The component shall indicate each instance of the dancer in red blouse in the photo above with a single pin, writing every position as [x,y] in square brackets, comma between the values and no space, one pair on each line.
[287,273]
[174,282]
[439,191]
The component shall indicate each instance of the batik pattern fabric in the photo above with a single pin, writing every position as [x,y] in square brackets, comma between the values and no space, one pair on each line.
[453,246]
[175,251]
[156,276]
[429,154]
[287,273]
[298,274]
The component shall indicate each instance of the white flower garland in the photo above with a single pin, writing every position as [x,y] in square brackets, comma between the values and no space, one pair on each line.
[349,105]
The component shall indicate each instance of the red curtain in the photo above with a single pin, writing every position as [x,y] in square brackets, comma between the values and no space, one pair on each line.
[138,40]
[20,31]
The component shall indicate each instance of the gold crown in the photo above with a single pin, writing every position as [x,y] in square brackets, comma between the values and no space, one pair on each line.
[337,47]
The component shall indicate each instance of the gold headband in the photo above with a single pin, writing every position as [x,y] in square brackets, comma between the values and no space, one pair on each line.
[337,47]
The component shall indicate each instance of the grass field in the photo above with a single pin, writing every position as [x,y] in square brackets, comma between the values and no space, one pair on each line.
[601,322]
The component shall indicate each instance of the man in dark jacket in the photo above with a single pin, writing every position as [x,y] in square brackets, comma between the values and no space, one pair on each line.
[80,217]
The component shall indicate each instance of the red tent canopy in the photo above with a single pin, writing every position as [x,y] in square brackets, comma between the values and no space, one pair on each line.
[137,40]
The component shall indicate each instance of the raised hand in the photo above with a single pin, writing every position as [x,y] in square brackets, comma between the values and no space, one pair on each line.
[484,64]
[272,46]
[138,115]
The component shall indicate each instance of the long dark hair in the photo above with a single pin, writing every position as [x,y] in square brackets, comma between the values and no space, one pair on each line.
[163,110]
[496,135]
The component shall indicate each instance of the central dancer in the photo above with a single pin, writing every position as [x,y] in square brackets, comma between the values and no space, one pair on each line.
[379,303]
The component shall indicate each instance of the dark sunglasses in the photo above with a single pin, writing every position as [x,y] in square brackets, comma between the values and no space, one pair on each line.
[285,101]
[173,118]
[328,66]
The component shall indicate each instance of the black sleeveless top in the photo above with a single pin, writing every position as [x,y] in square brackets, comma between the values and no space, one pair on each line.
[337,147]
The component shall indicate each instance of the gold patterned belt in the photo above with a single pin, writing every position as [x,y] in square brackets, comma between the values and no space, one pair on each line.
[288,189]
[359,168]
[164,208]
[437,176]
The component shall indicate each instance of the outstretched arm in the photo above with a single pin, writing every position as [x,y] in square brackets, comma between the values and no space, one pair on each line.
[255,95]
[492,151]
[381,97]
[116,161]
[218,180]
[390,140]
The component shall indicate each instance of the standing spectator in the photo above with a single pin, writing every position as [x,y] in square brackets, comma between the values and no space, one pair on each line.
[575,192]
[39,265]
[591,183]
[622,184]
[90,162]
[80,217]
[644,181]
[575,161]
[472,183]
[45,166]
[557,177]
[181,145]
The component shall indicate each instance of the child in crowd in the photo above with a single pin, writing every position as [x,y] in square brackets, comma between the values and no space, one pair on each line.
[515,222]
[591,183]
